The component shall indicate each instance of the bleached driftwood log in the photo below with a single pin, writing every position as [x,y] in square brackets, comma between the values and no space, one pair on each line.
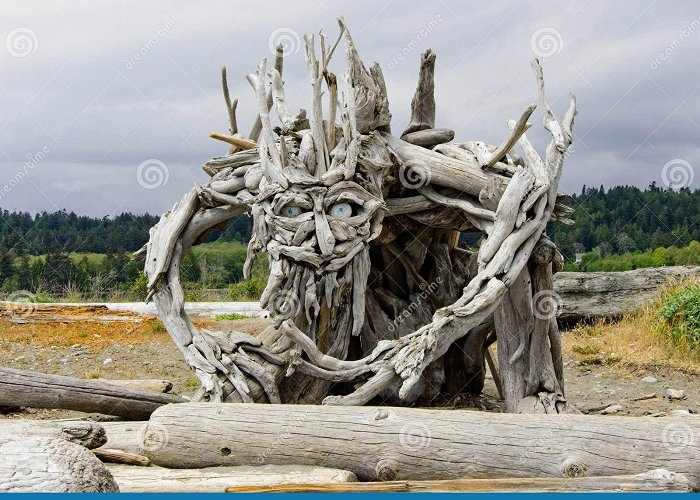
[50,464]
[658,480]
[406,443]
[612,294]
[40,390]
[88,434]
[121,457]
[152,385]
[217,479]
[128,436]
[339,203]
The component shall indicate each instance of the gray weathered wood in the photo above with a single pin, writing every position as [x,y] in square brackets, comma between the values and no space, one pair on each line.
[658,480]
[128,436]
[40,390]
[153,385]
[50,464]
[88,434]
[408,443]
[121,457]
[612,294]
[217,479]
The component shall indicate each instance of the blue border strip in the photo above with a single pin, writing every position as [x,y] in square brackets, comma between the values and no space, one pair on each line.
[318,496]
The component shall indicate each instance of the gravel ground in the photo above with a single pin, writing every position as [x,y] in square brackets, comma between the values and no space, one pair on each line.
[590,388]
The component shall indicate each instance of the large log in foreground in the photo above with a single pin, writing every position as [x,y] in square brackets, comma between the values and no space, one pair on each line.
[655,480]
[50,464]
[406,443]
[612,294]
[218,479]
[40,390]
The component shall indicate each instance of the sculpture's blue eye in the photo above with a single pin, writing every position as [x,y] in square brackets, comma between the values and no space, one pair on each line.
[340,210]
[291,211]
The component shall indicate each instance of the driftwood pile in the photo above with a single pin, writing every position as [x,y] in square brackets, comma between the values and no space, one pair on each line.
[374,295]
[249,447]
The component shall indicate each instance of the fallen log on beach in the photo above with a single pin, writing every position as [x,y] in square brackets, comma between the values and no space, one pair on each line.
[153,385]
[217,479]
[420,444]
[657,480]
[593,295]
[40,390]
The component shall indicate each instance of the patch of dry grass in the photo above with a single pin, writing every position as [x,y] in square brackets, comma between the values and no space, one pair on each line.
[80,325]
[639,340]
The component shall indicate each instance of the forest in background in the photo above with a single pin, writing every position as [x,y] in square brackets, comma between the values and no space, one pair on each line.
[75,257]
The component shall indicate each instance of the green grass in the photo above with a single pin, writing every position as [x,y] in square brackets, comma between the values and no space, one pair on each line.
[157,327]
[229,317]
[219,248]
[681,313]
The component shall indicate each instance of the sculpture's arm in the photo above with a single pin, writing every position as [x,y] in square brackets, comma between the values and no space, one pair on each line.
[526,205]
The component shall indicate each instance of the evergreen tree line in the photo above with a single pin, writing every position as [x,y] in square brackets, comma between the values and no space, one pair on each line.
[616,229]
[628,220]
[24,234]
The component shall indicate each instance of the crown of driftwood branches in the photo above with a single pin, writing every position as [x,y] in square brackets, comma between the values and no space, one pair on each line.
[334,197]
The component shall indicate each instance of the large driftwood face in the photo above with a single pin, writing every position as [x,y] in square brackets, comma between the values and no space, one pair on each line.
[336,198]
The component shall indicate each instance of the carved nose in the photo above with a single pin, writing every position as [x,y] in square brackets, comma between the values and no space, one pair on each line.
[324,236]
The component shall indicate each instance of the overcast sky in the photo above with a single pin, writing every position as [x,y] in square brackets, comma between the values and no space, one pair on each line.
[90,91]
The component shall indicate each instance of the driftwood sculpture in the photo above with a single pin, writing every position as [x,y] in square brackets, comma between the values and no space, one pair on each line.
[373,291]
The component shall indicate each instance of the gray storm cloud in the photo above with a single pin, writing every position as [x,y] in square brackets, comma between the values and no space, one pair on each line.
[109,92]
